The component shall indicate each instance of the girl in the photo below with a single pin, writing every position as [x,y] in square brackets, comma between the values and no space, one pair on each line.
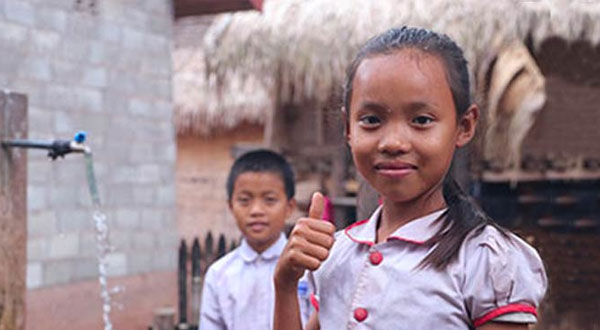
[428,257]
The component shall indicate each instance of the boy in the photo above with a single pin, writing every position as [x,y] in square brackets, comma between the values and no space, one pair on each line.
[238,289]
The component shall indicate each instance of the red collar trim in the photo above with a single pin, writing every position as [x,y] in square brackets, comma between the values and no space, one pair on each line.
[398,238]
[356,224]
[369,243]
[390,238]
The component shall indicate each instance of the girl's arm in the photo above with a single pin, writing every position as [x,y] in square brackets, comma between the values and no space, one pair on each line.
[307,247]
[287,315]
[503,326]
[287,310]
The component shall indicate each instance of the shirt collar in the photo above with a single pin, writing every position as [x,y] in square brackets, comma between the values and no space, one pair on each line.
[248,254]
[417,231]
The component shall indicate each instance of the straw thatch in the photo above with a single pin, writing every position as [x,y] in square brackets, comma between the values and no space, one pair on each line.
[200,105]
[297,50]
[516,94]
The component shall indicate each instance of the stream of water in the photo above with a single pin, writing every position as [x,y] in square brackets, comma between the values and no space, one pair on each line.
[104,247]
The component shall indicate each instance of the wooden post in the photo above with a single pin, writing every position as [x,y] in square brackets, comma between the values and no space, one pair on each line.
[196,287]
[208,249]
[164,319]
[13,210]
[275,131]
[221,248]
[182,282]
[232,245]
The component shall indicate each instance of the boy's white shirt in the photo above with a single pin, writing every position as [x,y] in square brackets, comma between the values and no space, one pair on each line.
[238,291]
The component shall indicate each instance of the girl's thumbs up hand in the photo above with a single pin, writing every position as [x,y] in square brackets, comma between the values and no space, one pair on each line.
[308,245]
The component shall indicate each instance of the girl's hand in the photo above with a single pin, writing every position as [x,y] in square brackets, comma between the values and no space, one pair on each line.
[308,245]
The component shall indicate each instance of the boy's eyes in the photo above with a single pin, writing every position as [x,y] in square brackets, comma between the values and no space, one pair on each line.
[270,201]
[243,200]
[246,200]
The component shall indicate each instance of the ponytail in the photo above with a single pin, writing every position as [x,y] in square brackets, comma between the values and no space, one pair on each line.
[462,217]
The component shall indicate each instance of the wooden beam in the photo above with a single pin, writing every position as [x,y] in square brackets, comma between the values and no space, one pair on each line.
[184,8]
[13,212]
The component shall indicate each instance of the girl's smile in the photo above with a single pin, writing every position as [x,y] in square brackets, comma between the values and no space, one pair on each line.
[394,169]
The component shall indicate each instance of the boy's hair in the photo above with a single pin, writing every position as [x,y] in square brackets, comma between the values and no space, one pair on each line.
[463,215]
[261,161]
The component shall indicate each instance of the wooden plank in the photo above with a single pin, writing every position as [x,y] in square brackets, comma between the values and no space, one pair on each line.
[13,206]
[522,176]
[184,8]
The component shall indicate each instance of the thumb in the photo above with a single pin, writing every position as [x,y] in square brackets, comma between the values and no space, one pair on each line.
[317,204]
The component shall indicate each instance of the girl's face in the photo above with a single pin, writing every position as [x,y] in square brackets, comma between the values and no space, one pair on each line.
[403,126]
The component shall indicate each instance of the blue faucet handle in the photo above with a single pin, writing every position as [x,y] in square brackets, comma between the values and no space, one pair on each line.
[80,136]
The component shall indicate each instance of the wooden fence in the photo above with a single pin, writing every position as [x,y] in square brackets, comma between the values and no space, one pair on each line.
[192,265]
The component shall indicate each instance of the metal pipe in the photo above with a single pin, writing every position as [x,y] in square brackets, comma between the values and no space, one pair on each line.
[56,148]
[34,144]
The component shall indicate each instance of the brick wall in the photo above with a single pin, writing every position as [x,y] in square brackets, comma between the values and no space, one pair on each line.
[103,66]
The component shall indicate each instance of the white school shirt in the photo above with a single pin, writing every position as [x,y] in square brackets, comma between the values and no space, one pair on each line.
[363,285]
[238,289]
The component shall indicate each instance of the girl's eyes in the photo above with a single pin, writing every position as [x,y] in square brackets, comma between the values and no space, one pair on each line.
[369,120]
[422,120]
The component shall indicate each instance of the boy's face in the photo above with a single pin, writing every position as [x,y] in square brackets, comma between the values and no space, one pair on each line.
[260,207]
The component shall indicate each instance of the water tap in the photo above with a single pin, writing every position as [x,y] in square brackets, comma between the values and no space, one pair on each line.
[56,148]
[62,147]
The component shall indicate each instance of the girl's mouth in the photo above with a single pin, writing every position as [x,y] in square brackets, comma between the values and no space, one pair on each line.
[394,169]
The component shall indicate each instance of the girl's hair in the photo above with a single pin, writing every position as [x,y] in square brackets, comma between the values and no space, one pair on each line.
[467,215]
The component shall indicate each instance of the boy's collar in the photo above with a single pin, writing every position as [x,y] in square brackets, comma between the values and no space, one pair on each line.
[417,231]
[249,255]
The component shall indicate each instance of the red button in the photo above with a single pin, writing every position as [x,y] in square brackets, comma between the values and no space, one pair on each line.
[376,258]
[360,314]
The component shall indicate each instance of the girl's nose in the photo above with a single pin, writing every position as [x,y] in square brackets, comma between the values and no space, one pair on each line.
[394,142]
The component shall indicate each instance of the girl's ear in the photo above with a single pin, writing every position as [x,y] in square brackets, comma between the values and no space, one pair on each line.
[467,126]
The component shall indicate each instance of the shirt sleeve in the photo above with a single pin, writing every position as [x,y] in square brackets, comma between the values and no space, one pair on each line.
[503,276]
[211,317]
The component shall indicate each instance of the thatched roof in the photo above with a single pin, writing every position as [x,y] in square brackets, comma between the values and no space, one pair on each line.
[200,105]
[297,50]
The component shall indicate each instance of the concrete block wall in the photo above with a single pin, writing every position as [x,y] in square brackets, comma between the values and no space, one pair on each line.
[103,66]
